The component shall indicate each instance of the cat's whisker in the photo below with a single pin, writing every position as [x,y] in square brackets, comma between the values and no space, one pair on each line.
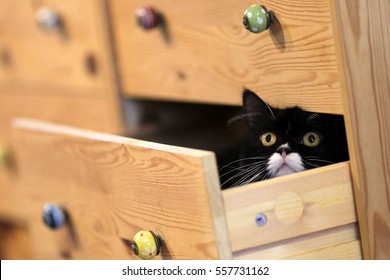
[242,168]
[240,174]
[243,159]
[253,178]
[312,117]
[252,175]
[243,179]
[249,166]
[263,174]
[312,165]
[318,160]
[244,174]
[244,116]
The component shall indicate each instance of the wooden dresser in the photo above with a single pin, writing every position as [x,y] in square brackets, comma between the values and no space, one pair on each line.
[67,69]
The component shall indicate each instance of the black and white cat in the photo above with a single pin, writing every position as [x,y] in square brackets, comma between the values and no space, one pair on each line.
[284,141]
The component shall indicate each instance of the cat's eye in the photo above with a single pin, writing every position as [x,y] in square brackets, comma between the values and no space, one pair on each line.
[268,139]
[311,139]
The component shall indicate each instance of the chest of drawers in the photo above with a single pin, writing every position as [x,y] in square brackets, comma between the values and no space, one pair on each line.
[327,56]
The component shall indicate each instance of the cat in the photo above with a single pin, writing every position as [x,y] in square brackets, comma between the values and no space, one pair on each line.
[282,141]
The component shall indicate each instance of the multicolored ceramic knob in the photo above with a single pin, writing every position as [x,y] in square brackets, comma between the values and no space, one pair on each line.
[47,19]
[54,216]
[147,17]
[146,245]
[256,18]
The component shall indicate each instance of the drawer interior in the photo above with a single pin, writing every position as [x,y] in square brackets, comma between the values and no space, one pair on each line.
[215,128]
[196,126]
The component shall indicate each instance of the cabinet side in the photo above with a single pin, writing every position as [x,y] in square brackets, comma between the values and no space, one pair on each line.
[362,39]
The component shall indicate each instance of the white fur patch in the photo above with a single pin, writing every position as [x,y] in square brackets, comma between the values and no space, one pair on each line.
[284,146]
[277,166]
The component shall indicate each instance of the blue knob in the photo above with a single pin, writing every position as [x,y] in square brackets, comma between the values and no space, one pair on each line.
[54,216]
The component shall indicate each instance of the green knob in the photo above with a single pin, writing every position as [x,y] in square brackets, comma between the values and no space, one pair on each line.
[256,18]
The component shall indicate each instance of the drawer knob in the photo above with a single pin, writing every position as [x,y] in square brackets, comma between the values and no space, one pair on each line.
[147,17]
[54,216]
[47,19]
[4,155]
[146,245]
[261,220]
[257,18]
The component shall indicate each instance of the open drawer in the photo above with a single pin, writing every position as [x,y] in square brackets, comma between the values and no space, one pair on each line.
[113,186]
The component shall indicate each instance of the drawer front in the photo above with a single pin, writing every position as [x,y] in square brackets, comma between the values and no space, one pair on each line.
[203,53]
[88,113]
[304,215]
[112,187]
[70,55]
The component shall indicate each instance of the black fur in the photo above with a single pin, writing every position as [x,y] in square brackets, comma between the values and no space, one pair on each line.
[289,125]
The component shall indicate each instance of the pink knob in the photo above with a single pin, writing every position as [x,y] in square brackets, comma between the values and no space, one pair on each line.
[147,17]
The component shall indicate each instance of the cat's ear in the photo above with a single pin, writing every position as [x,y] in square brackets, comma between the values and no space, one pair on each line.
[255,108]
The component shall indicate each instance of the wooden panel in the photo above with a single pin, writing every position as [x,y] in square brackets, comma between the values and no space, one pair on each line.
[294,205]
[345,251]
[335,243]
[74,56]
[113,187]
[97,113]
[204,54]
[15,242]
[364,55]
[60,105]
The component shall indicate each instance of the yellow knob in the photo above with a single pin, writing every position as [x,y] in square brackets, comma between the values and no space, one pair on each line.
[146,245]
[4,155]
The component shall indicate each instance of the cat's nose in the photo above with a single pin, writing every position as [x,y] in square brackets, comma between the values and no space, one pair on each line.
[284,149]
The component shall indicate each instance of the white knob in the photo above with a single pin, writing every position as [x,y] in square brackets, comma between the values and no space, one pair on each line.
[48,19]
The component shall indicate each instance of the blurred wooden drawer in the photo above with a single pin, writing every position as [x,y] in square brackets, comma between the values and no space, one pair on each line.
[202,53]
[92,113]
[113,186]
[71,54]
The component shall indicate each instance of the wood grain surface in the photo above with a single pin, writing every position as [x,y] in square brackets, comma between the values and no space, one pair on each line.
[113,187]
[294,205]
[203,53]
[335,243]
[363,49]
[63,106]
[95,113]
[63,57]
[44,75]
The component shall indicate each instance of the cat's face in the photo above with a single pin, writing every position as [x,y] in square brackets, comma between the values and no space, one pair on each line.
[285,141]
